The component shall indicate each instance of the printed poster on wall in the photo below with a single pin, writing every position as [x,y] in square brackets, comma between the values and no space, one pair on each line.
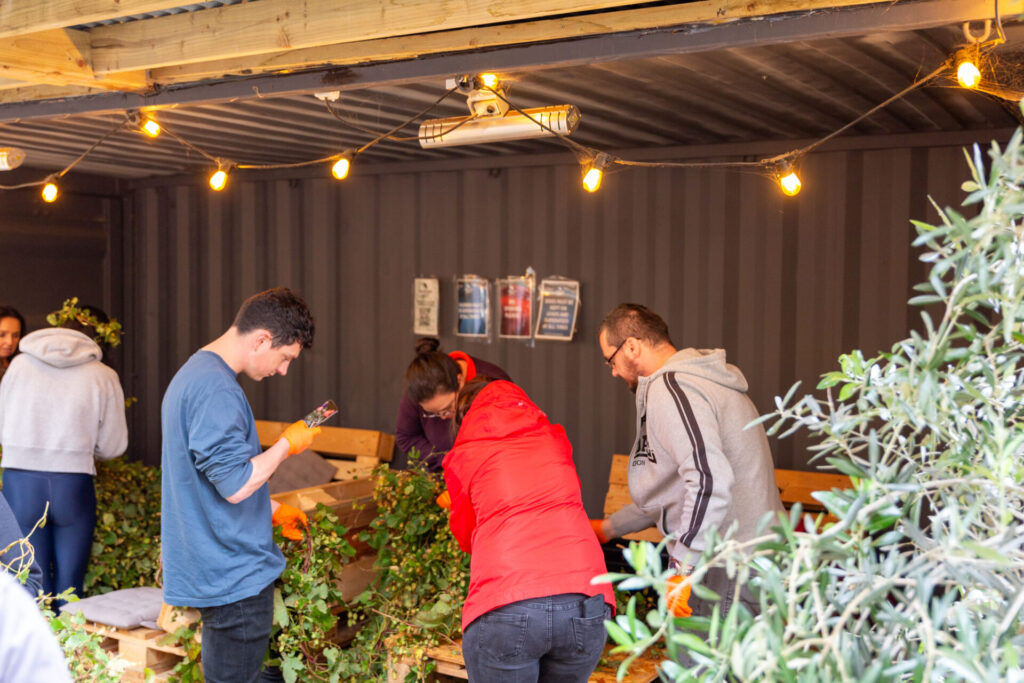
[559,302]
[426,302]
[515,296]
[473,306]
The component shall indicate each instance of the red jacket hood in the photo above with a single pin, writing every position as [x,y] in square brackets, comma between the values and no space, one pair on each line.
[501,410]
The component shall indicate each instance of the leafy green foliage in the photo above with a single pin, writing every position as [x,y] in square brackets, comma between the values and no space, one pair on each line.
[422,577]
[126,541]
[187,638]
[86,659]
[106,332]
[304,620]
[922,578]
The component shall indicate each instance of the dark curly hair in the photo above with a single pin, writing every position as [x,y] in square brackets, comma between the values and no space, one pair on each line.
[281,312]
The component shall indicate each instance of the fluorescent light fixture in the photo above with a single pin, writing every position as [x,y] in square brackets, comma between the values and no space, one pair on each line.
[10,158]
[511,125]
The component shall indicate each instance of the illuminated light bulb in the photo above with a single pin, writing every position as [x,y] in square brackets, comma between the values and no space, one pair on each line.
[594,172]
[50,192]
[790,184]
[967,74]
[218,180]
[592,179]
[151,128]
[489,80]
[341,167]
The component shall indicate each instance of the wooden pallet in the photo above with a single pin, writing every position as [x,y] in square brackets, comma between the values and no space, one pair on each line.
[449,664]
[140,649]
[794,487]
[351,501]
[353,452]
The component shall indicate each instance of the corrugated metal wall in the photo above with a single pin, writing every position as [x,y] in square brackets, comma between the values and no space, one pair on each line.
[784,285]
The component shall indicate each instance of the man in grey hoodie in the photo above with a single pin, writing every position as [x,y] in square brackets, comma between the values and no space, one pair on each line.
[694,466]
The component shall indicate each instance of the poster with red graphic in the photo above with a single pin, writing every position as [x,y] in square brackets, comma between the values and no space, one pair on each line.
[516,297]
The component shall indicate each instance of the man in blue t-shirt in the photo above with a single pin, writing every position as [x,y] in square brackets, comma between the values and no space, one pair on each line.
[216,525]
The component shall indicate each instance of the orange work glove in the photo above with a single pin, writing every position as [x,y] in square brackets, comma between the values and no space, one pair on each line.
[598,526]
[677,595]
[445,500]
[299,436]
[289,518]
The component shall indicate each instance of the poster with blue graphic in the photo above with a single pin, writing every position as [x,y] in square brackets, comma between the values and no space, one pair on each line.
[472,305]
[559,305]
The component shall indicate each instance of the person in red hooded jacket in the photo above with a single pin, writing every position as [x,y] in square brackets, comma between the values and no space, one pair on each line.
[532,613]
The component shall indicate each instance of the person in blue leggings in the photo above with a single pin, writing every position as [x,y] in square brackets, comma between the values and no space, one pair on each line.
[62,545]
[61,409]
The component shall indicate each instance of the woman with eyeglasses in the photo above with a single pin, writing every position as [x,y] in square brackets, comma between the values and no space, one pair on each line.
[532,613]
[432,383]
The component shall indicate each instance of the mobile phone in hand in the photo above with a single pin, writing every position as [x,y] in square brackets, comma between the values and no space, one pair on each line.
[318,416]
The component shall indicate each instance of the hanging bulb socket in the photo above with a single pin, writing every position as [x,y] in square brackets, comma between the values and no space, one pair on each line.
[342,166]
[593,172]
[788,179]
[50,192]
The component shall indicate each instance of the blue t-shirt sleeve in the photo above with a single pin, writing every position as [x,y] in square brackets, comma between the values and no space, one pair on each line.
[218,439]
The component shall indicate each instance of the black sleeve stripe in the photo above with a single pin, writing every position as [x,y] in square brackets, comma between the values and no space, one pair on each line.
[700,457]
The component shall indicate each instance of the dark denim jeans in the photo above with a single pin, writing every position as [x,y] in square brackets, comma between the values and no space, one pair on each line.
[540,639]
[235,639]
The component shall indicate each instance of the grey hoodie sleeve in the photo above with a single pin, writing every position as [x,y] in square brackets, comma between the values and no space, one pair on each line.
[682,423]
[112,437]
[627,520]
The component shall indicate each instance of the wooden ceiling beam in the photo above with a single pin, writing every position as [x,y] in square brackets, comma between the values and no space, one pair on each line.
[31,16]
[28,93]
[274,25]
[59,57]
[460,40]
[522,59]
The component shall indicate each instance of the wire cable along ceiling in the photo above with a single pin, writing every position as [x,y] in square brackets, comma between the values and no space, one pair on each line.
[495,116]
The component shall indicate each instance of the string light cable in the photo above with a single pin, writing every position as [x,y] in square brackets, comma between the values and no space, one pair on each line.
[587,156]
[54,176]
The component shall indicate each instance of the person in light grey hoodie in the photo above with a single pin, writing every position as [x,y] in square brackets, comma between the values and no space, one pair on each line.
[694,465]
[61,409]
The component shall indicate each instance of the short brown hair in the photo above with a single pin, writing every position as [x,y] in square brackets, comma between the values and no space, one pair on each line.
[634,320]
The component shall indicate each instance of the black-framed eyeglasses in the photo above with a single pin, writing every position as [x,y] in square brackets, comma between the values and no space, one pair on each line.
[443,414]
[609,359]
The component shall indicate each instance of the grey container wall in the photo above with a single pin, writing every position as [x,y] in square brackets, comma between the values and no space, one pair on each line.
[784,285]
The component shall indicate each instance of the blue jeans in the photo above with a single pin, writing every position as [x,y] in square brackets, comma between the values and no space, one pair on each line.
[235,640]
[63,545]
[540,639]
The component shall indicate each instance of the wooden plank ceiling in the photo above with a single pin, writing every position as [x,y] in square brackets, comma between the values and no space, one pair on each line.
[718,71]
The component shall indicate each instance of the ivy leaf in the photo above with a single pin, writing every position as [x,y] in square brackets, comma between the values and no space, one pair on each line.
[280,611]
